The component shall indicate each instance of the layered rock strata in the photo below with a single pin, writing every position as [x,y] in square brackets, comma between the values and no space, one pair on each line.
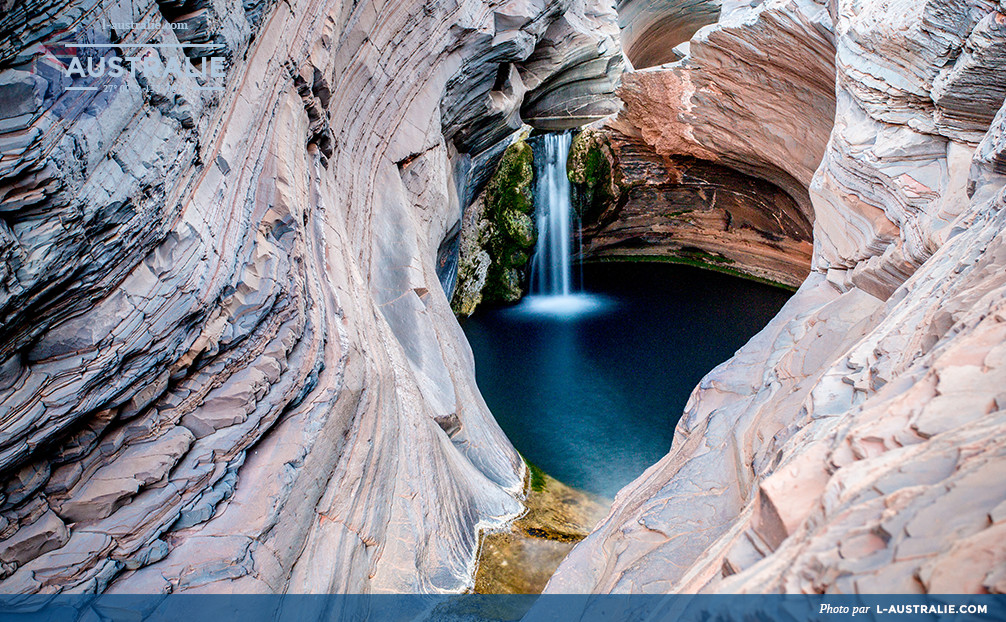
[641,205]
[226,359]
[713,155]
[655,32]
[855,444]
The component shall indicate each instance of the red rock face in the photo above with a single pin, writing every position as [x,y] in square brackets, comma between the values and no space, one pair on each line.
[715,154]
[682,207]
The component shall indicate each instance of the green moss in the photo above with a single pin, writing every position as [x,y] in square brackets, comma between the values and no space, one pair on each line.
[586,164]
[503,284]
[590,169]
[510,186]
[512,233]
[536,475]
[519,228]
[518,259]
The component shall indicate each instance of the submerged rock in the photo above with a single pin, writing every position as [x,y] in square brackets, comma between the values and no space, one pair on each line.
[521,558]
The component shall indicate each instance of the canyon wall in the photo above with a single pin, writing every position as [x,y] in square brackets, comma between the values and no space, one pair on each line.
[227,357]
[712,156]
[856,443]
[227,360]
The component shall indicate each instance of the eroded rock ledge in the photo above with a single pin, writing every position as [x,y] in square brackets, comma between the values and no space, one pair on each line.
[226,359]
[712,156]
[855,444]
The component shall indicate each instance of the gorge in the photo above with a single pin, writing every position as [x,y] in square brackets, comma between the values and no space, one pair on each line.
[230,353]
[588,374]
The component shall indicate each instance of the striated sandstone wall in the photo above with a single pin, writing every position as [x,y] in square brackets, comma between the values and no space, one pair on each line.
[856,443]
[657,31]
[227,362]
[715,153]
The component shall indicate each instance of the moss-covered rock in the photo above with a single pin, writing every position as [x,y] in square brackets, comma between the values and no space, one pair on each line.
[518,258]
[503,284]
[497,235]
[510,207]
[592,171]
[510,186]
[519,228]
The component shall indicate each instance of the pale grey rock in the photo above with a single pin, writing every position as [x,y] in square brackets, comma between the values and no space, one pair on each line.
[572,73]
[967,93]
[228,363]
[46,533]
[473,261]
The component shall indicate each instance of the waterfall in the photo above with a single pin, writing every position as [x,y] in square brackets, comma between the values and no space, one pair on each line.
[553,290]
[551,271]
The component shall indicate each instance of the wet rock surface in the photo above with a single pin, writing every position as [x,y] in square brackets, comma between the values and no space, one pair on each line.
[521,558]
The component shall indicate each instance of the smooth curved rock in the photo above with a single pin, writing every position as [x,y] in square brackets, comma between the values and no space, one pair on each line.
[655,32]
[227,363]
[573,73]
[854,445]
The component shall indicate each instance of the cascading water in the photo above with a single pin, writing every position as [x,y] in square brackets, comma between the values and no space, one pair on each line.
[553,289]
[551,274]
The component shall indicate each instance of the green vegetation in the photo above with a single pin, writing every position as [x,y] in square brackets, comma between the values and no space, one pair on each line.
[536,475]
[586,163]
[589,168]
[512,232]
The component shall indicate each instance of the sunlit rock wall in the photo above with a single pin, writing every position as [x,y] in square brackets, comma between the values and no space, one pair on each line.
[855,444]
[227,362]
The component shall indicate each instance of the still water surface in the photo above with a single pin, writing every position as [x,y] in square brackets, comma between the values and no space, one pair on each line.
[589,387]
